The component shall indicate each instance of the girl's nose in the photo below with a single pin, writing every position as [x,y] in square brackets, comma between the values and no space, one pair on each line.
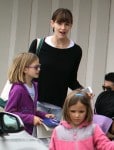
[77,114]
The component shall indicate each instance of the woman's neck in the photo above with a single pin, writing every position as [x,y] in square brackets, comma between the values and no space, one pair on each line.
[60,43]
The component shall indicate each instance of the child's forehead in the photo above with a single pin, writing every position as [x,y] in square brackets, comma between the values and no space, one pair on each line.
[78,104]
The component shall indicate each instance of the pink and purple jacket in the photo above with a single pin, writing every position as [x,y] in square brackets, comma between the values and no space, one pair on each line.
[84,137]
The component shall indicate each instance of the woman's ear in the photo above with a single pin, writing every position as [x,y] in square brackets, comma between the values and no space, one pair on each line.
[52,24]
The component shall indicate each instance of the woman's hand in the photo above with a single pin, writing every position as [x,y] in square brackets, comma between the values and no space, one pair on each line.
[91,95]
[89,91]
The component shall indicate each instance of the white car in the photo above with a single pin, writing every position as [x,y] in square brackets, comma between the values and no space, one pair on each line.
[14,137]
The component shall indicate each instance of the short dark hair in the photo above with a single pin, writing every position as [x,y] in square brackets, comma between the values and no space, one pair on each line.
[109,76]
[62,15]
[104,104]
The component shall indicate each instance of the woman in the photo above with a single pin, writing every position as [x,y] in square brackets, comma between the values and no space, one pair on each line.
[60,58]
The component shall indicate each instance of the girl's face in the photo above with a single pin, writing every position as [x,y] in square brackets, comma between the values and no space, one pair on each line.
[32,71]
[77,113]
[61,29]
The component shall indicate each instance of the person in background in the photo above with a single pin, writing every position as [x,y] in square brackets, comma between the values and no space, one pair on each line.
[60,58]
[108,82]
[77,131]
[105,99]
[104,104]
[23,95]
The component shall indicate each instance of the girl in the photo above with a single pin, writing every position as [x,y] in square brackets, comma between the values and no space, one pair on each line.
[76,131]
[23,95]
[60,58]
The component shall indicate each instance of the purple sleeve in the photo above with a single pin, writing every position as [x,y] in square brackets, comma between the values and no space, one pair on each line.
[41,114]
[13,104]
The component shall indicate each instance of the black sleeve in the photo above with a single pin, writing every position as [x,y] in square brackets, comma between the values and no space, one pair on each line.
[32,48]
[74,83]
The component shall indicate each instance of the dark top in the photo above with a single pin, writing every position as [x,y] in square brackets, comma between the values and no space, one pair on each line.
[104,104]
[58,72]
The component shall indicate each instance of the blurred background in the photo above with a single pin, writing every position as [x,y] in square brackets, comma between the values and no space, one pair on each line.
[23,20]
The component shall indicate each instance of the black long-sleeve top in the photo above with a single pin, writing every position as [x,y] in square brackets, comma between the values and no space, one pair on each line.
[59,69]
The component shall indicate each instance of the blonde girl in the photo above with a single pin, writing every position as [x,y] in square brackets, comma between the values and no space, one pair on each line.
[23,95]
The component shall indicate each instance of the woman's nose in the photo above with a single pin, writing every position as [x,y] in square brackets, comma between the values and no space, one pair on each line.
[63,26]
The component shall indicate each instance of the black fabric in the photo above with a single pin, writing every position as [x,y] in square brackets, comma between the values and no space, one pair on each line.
[105,104]
[58,72]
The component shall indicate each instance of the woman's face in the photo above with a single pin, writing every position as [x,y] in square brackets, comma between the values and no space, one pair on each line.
[61,30]
[77,113]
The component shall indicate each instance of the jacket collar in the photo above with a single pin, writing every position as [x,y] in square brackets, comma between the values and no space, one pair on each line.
[69,126]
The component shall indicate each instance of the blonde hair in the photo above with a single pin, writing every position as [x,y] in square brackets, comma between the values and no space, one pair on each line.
[72,99]
[16,70]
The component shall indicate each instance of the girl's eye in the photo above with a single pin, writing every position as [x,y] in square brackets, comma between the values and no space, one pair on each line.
[82,111]
[73,111]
